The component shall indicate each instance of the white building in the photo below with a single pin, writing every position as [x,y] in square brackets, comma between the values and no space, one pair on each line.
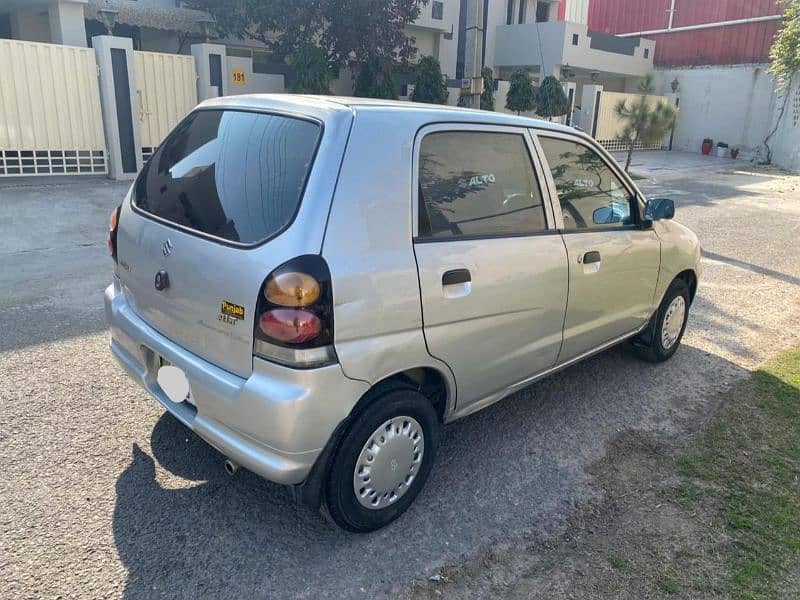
[545,37]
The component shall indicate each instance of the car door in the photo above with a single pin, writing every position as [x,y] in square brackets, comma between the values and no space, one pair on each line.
[613,260]
[492,267]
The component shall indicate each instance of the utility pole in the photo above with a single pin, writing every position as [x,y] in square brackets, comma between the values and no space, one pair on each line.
[473,53]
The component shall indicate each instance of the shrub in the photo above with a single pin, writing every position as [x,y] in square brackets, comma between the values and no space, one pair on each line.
[429,83]
[552,101]
[487,96]
[521,95]
[374,80]
[312,75]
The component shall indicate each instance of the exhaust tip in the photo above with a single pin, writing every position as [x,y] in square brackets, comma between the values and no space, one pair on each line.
[231,467]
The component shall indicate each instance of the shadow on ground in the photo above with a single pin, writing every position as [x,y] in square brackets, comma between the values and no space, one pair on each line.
[514,469]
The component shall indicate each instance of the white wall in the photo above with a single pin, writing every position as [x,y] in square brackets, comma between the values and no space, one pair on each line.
[577,11]
[430,35]
[495,16]
[729,104]
[424,41]
[67,24]
[30,25]
[255,83]
[785,143]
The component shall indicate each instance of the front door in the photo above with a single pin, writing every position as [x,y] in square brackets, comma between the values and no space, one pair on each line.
[492,268]
[613,262]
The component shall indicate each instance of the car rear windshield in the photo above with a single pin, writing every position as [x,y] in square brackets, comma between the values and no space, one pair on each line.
[235,175]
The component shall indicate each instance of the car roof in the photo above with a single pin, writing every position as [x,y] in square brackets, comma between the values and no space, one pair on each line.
[326,106]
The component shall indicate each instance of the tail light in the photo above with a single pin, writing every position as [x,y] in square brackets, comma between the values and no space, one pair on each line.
[113,224]
[294,314]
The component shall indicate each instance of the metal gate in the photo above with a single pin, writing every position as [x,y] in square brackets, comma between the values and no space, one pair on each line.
[609,125]
[50,118]
[167,89]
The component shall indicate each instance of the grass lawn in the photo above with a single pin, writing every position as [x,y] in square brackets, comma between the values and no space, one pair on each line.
[710,514]
[750,461]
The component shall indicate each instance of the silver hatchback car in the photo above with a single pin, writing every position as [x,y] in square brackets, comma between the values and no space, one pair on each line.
[314,285]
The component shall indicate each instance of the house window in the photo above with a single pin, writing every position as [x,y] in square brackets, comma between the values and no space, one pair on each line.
[240,52]
[523,5]
[647,52]
[510,13]
[576,37]
[5,26]
[437,10]
[542,12]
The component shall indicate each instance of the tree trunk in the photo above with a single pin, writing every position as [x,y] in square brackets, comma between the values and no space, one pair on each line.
[630,155]
[778,120]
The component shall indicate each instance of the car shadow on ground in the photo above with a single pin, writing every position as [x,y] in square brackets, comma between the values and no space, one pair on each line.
[516,468]
[735,262]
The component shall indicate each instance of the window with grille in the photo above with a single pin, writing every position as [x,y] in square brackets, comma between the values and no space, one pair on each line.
[437,10]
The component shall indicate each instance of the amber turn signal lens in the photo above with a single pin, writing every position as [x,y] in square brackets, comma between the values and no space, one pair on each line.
[292,289]
[111,239]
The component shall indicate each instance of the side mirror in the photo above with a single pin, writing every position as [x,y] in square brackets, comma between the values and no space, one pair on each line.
[659,209]
[612,213]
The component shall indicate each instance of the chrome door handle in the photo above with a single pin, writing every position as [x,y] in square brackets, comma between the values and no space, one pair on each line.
[590,257]
[456,276]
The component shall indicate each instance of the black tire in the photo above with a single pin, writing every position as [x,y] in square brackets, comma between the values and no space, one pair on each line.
[342,505]
[649,344]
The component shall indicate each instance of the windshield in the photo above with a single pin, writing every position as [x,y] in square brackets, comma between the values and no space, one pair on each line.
[234,175]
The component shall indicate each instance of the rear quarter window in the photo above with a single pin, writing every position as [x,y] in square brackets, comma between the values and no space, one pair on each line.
[234,175]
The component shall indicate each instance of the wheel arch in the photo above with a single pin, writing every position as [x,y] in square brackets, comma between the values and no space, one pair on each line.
[430,381]
[690,278]
[437,385]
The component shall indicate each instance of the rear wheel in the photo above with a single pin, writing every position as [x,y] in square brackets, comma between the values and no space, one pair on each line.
[383,461]
[664,333]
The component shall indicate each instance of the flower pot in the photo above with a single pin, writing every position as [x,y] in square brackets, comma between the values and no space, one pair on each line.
[735,153]
[706,148]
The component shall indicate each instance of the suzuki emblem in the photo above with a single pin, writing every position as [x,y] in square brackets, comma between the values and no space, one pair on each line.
[166,247]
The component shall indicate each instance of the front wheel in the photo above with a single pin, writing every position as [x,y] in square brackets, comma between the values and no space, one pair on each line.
[664,333]
[383,461]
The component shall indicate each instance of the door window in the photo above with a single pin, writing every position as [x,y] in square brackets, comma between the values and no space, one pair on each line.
[590,193]
[477,184]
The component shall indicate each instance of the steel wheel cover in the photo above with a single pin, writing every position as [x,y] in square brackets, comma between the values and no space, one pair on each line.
[673,322]
[389,462]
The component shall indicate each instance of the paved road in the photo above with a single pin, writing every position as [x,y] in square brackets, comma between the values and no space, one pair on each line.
[104,495]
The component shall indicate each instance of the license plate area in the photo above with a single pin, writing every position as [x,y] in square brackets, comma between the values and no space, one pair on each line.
[173,382]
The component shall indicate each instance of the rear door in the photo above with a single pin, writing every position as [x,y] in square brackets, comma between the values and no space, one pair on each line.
[613,261]
[201,230]
[492,268]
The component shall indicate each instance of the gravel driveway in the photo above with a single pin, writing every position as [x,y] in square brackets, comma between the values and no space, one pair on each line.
[104,495]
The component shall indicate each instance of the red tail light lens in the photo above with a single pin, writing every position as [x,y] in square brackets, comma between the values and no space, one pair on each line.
[291,326]
[294,314]
[113,224]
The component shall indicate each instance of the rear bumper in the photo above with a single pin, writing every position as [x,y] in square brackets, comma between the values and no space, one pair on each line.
[274,423]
